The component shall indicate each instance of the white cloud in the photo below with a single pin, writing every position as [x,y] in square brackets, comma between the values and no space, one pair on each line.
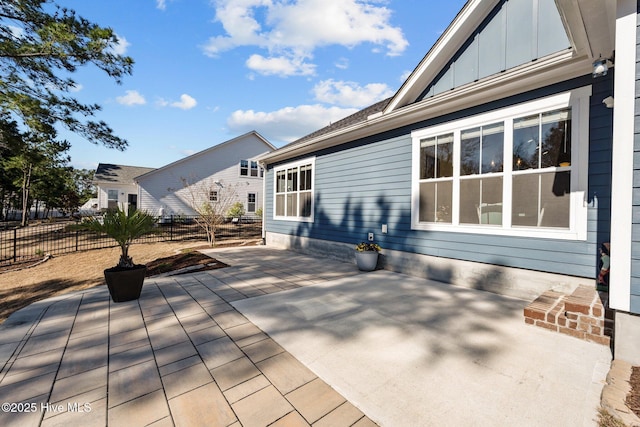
[342,63]
[286,124]
[280,66]
[161,4]
[351,94]
[120,48]
[295,29]
[186,102]
[131,97]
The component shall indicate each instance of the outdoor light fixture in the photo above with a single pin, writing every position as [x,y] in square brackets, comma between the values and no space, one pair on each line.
[608,101]
[601,66]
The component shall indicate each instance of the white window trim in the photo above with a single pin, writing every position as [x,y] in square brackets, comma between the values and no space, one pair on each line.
[578,100]
[309,161]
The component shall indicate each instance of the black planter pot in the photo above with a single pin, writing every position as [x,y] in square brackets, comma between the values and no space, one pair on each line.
[125,284]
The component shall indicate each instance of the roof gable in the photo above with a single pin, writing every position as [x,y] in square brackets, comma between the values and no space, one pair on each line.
[252,134]
[486,38]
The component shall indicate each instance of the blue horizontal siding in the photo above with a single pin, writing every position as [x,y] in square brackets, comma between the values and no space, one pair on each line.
[361,185]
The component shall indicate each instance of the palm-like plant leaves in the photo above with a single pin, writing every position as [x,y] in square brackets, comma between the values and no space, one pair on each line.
[123,228]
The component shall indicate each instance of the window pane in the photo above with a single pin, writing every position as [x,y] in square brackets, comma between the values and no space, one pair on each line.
[525,142]
[244,167]
[492,148]
[281,180]
[292,179]
[305,177]
[470,201]
[481,201]
[555,199]
[466,66]
[280,205]
[552,36]
[525,200]
[427,202]
[254,168]
[112,195]
[292,204]
[470,151]
[491,46]
[520,33]
[444,167]
[305,204]
[428,158]
[556,139]
[435,201]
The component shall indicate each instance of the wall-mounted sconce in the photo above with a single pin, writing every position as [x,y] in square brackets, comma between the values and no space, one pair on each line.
[608,101]
[601,66]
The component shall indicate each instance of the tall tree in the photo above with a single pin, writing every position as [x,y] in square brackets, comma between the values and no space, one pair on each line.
[41,44]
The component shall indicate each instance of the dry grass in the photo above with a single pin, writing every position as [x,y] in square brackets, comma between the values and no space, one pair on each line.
[72,272]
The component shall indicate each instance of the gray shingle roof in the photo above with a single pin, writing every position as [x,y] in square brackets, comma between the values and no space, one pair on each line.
[118,174]
[353,119]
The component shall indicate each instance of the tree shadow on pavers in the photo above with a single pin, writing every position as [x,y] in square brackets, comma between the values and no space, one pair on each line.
[14,299]
[439,319]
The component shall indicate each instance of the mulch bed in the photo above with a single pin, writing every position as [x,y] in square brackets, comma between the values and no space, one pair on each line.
[633,398]
[188,259]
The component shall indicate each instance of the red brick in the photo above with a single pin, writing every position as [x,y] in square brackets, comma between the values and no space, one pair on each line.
[572,324]
[597,311]
[576,307]
[598,339]
[573,333]
[562,320]
[571,316]
[596,330]
[534,314]
[546,325]
[528,321]
[583,326]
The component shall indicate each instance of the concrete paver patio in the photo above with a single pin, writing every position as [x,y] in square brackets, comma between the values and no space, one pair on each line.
[181,355]
[198,349]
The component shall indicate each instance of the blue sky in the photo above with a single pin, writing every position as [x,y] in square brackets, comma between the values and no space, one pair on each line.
[207,71]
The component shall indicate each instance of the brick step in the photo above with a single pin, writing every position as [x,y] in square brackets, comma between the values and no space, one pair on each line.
[581,314]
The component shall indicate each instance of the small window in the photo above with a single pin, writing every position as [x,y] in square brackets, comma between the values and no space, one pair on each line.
[244,168]
[254,168]
[112,199]
[251,202]
[213,196]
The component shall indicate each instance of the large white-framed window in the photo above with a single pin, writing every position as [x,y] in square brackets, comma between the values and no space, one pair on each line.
[112,199]
[521,171]
[294,191]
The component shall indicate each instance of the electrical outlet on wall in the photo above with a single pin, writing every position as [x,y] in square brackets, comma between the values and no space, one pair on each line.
[371,237]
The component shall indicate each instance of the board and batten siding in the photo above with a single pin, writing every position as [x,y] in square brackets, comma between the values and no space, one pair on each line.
[364,184]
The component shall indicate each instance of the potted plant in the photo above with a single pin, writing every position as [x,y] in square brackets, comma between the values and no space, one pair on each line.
[125,279]
[367,256]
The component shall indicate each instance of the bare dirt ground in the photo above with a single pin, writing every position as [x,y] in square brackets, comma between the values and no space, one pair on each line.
[80,270]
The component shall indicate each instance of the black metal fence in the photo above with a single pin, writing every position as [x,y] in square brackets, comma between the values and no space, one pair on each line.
[57,237]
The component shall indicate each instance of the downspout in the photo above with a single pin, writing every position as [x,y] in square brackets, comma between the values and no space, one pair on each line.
[264,197]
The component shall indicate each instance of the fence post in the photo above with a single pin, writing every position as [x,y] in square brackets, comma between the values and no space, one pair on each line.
[15,244]
[171,229]
[77,231]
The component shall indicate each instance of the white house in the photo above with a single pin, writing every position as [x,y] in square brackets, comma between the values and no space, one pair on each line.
[225,173]
[116,186]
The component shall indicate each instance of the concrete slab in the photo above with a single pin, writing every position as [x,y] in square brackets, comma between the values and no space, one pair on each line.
[409,351]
